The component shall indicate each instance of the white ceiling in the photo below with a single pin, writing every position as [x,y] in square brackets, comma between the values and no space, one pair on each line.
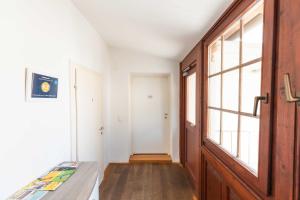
[166,28]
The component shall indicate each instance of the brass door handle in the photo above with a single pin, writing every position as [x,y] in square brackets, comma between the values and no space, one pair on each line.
[264,99]
[288,91]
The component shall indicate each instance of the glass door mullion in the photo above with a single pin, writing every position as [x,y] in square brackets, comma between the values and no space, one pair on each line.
[240,89]
[221,113]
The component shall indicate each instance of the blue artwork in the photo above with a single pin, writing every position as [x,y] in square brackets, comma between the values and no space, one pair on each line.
[44,86]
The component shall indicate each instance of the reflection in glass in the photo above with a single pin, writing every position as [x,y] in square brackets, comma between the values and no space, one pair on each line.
[231,48]
[229,132]
[253,34]
[214,95]
[231,90]
[191,99]
[249,142]
[251,84]
[214,125]
[215,57]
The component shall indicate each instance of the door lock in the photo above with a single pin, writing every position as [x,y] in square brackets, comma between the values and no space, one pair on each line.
[101,129]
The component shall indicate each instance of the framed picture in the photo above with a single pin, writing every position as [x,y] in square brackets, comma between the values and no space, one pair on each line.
[41,86]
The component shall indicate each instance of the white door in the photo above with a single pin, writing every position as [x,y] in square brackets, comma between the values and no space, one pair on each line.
[150,114]
[89,116]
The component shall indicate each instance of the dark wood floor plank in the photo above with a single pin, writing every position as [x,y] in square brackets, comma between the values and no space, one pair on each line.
[146,182]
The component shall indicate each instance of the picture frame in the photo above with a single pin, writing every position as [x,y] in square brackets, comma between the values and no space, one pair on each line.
[41,86]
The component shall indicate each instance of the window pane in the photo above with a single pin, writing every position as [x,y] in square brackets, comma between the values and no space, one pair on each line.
[191,98]
[214,91]
[237,54]
[229,132]
[231,90]
[231,49]
[251,84]
[253,34]
[214,125]
[249,138]
[215,57]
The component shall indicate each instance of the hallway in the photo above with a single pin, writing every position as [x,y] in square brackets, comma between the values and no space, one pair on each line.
[145,181]
[150,100]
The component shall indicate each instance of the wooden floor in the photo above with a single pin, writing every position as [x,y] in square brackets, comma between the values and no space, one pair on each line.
[150,158]
[145,182]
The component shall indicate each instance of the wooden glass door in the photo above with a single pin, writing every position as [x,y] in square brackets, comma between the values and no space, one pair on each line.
[191,135]
[238,90]
[190,115]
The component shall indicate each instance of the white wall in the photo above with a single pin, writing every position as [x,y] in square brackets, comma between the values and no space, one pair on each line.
[125,63]
[44,35]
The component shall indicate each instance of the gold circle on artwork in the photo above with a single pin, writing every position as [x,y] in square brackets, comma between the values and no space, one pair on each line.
[45,87]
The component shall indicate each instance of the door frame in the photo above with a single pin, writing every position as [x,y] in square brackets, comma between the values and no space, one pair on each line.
[73,107]
[193,61]
[169,77]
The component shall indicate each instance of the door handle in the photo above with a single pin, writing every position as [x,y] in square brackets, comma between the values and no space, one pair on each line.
[257,99]
[288,91]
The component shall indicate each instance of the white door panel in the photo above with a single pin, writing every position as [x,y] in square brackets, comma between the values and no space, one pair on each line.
[150,114]
[89,116]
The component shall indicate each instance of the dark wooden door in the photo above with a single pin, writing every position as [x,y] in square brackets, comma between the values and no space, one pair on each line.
[191,135]
[190,115]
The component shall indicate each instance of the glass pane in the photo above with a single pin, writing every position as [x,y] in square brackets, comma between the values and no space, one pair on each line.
[214,125]
[251,84]
[231,90]
[249,142]
[231,49]
[253,33]
[214,91]
[215,57]
[191,99]
[229,132]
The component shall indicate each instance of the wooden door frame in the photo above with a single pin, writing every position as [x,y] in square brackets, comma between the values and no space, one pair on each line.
[286,129]
[192,60]
[182,117]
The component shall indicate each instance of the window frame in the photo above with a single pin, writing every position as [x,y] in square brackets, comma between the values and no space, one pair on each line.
[261,181]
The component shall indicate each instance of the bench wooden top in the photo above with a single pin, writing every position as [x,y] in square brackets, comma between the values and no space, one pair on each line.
[79,186]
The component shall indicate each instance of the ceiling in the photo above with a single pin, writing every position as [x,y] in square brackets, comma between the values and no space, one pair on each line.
[165,28]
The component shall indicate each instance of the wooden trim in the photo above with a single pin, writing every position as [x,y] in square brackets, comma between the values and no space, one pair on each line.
[221,90]
[182,117]
[229,177]
[192,51]
[287,119]
[237,67]
[235,10]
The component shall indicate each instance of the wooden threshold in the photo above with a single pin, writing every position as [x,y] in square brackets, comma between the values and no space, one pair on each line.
[150,158]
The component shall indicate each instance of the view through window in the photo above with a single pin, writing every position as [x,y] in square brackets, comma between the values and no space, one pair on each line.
[234,80]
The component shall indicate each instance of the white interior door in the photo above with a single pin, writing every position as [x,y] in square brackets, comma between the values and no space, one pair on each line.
[89,116]
[150,114]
